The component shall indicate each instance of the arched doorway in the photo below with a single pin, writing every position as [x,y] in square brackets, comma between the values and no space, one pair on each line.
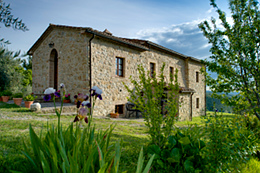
[53,74]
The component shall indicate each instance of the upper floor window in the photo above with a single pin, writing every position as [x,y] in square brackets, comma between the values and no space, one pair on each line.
[152,69]
[197,76]
[171,73]
[119,66]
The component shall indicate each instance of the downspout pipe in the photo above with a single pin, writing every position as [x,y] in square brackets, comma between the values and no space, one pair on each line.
[191,106]
[90,69]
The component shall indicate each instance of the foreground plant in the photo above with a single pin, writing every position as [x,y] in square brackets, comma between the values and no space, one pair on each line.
[230,142]
[75,149]
[84,107]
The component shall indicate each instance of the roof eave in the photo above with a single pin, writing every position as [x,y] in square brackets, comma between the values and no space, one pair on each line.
[37,43]
[115,39]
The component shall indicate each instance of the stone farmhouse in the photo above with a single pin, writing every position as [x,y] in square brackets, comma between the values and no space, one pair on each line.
[81,57]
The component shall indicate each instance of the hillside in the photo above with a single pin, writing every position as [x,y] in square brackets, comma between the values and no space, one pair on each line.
[218,105]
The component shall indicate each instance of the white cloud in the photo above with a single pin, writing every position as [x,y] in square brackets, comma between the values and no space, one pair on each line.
[185,38]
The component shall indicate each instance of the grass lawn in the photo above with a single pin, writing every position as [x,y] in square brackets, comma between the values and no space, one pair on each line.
[14,123]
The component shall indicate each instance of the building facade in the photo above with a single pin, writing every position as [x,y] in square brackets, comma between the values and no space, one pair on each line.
[81,57]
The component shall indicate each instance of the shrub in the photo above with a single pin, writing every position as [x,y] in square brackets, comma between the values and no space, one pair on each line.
[253,124]
[30,97]
[6,93]
[18,95]
[252,166]
[148,95]
[181,153]
[229,142]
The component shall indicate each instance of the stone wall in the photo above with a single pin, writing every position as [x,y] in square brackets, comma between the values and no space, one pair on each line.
[199,87]
[73,68]
[104,54]
[184,110]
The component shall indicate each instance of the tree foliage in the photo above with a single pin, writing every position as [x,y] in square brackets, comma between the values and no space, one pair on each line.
[9,63]
[9,20]
[13,76]
[235,52]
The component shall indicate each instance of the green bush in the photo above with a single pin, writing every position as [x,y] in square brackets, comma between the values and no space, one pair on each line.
[6,93]
[30,98]
[229,143]
[18,95]
[252,166]
[253,124]
[181,153]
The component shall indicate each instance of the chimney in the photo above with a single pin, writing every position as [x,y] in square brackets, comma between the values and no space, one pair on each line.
[107,32]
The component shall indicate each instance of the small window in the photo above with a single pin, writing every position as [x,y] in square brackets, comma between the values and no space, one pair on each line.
[119,109]
[197,76]
[119,67]
[171,73]
[197,102]
[152,69]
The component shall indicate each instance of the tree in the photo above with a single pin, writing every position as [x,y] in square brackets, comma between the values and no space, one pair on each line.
[9,65]
[9,20]
[26,70]
[235,51]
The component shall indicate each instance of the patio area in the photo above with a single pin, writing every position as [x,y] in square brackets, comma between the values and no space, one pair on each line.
[48,107]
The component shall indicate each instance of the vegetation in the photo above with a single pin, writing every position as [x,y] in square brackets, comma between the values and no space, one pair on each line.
[30,97]
[13,76]
[14,123]
[213,104]
[148,95]
[235,53]
[18,95]
[6,93]
[9,20]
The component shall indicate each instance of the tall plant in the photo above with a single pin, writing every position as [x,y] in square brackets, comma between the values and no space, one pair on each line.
[148,94]
[75,149]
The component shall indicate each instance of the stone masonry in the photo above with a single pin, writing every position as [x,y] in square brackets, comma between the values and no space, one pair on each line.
[83,50]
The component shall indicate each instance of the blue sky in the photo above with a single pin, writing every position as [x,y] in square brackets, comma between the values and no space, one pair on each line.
[170,23]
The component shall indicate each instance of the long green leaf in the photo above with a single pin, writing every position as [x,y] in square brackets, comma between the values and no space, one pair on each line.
[148,166]
[45,164]
[140,162]
[64,155]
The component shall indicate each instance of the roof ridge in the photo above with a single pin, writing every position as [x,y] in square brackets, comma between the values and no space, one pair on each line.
[138,43]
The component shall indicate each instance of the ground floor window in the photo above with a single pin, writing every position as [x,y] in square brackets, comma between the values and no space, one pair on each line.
[197,102]
[119,109]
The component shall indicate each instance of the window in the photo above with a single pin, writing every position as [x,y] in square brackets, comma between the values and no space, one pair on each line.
[152,69]
[119,67]
[197,76]
[119,109]
[197,102]
[171,73]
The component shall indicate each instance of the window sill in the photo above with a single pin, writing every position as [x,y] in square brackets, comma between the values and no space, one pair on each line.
[119,76]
